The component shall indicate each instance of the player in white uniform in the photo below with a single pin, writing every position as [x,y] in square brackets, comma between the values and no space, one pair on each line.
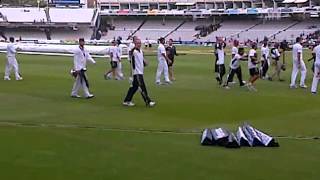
[221,69]
[253,67]
[162,63]
[316,74]
[81,56]
[234,49]
[130,49]
[265,61]
[235,68]
[115,58]
[298,64]
[12,61]
[137,65]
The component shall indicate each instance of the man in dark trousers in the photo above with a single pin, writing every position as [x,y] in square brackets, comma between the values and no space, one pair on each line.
[235,68]
[137,65]
[220,68]
[171,53]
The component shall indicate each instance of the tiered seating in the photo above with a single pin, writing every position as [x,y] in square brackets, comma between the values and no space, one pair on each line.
[304,27]
[187,31]
[123,28]
[230,28]
[69,34]
[23,15]
[266,29]
[26,34]
[71,15]
[154,29]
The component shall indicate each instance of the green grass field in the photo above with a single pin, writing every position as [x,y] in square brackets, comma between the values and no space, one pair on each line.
[45,134]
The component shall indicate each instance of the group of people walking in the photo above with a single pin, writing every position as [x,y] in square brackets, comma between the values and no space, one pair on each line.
[259,68]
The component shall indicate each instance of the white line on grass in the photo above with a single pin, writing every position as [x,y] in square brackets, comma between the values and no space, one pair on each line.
[139,130]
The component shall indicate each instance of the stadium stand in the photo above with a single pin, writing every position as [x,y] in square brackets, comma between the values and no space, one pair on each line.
[26,33]
[232,29]
[123,27]
[265,29]
[187,32]
[68,33]
[153,29]
[181,20]
[62,15]
[23,15]
[302,28]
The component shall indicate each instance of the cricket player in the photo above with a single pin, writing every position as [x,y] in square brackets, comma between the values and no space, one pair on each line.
[234,49]
[253,67]
[221,69]
[171,52]
[81,56]
[275,55]
[235,68]
[163,61]
[265,61]
[130,49]
[12,61]
[137,65]
[115,53]
[298,65]
[316,74]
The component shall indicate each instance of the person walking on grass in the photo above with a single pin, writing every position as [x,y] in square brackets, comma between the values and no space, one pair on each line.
[298,65]
[81,56]
[253,67]
[137,64]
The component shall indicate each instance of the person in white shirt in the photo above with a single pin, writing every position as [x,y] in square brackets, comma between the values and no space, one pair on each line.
[275,55]
[265,61]
[162,63]
[235,68]
[253,67]
[137,65]
[146,43]
[298,65]
[234,49]
[81,56]
[115,53]
[130,49]
[221,69]
[316,74]
[12,62]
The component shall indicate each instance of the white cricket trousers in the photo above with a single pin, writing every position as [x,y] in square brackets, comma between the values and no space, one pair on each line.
[77,85]
[295,70]
[316,77]
[119,70]
[119,73]
[12,64]
[162,68]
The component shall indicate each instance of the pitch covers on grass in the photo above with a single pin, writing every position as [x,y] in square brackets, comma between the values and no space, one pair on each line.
[245,136]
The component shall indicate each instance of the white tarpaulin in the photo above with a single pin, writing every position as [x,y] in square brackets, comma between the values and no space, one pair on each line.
[59,48]
[300,1]
[288,1]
